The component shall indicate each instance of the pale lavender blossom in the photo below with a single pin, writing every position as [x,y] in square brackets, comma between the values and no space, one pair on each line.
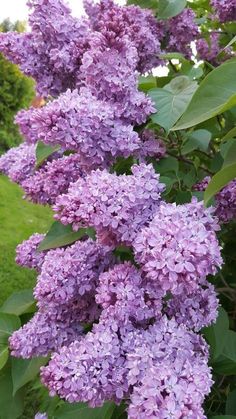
[70,273]
[117,206]
[19,162]
[40,415]
[53,179]
[27,254]
[48,330]
[179,247]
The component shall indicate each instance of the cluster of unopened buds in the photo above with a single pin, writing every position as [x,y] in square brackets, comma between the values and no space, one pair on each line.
[144,313]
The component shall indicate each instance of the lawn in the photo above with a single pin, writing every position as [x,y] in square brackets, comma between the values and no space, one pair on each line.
[18,220]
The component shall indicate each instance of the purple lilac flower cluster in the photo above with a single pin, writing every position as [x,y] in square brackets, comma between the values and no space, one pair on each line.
[144,314]
[225,10]
[225,200]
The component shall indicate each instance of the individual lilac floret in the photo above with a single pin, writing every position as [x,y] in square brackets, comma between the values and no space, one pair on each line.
[52,180]
[71,272]
[178,247]
[123,297]
[27,254]
[117,23]
[90,370]
[196,310]
[82,123]
[180,31]
[225,10]
[117,206]
[225,200]
[47,331]
[209,49]
[168,371]
[19,162]
[51,53]
[110,75]
[23,120]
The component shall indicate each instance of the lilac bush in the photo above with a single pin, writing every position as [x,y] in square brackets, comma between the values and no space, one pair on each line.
[143,314]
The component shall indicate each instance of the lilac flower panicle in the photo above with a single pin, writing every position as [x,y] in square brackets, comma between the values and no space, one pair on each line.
[27,254]
[152,146]
[52,179]
[40,415]
[178,247]
[225,200]
[196,310]
[70,273]
[208,49]
[117,206]
[19,162]
[168,371]
[49,330]
[225,10]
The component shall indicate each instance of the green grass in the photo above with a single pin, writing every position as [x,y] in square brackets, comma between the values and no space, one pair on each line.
[18,220]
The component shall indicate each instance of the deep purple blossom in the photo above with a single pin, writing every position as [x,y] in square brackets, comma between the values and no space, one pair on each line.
[52,179]
[225,200]
[51,53]
[117,206]
[138,26]
[208,49]
[225,10]
[178,247]
[27,254]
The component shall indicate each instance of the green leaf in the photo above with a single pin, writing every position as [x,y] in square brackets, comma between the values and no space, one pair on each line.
[226,363]
[4,353]
[8,323]
[216,94]
[229,135]
[82,411]
[173,56]
[147,83]
[25,370]
[230,156]
[19,303]
[182,197]
[197,140]
[11,407]
[60,235]
[43,151]
[166,165]
[230,408]
[150,4]
[172,100]
[223,417]
[219,180]
[233,40]
[169,182]
[216,334]
[170,8]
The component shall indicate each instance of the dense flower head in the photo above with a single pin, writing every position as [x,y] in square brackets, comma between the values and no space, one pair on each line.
[27,254]
[168,371]
[152,146]
[47,331]
[51,53]
[19,162]
[91,369]
[208,49]
[225,200]
[179,32]
[52,179]
[117,206]
[195,310]
[162,367]
[123,297]
[137,25]
[110,75]
[71,272]
[225,10]
[178,247]
[82,123]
